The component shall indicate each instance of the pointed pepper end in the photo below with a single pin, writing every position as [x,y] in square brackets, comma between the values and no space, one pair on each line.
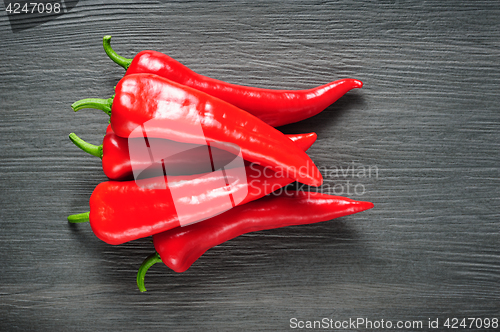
[312,136]
[362,206]
[309,140]
[358,84]
[316,181]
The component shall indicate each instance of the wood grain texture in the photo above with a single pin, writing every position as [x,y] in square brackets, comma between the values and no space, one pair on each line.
[426,123]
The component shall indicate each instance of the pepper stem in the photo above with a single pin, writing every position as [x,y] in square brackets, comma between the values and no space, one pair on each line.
[97,103]
[124,62]
[95,150]
[141,273]
[77,218]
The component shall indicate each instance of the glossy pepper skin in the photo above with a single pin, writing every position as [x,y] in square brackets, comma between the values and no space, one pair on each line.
[118,165]
[275,107]
[179,248]
[173,111]
[122,211]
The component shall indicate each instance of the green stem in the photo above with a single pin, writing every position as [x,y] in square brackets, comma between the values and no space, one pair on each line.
[148,262]
[77,218]
[124,62]
[95,150]
[97,103]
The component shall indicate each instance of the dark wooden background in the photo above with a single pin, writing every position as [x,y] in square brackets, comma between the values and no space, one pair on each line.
[427,119]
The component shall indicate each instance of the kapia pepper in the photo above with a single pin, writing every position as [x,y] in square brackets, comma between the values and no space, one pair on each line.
[117,164]
[122,211]
[179,248]
[168,110]
[275,107]
[125,211]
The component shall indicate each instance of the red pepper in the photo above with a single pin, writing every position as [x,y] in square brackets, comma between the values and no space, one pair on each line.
[180,247]
[122,211]
[275,107]
[117,164]
[172,111]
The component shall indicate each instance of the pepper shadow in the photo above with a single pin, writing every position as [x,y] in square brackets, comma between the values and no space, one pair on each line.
[83,184]
[285,255]
[328,117]
[115,263]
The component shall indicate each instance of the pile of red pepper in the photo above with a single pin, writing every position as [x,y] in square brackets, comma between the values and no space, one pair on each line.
[161,103]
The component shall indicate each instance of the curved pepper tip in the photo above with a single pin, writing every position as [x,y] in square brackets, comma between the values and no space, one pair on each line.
[358,84]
